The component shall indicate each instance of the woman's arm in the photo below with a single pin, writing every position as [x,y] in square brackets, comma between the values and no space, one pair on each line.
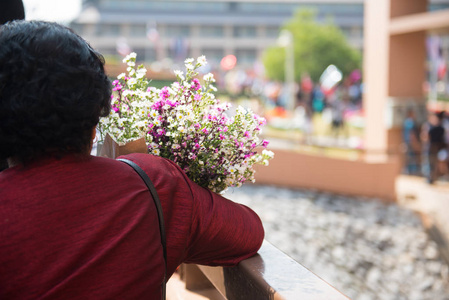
[223,232]
[201,227]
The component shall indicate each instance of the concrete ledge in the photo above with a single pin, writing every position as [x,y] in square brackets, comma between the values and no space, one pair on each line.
[269,275]
[293,169]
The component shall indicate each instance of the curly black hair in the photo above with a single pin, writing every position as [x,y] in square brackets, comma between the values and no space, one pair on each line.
[53,90]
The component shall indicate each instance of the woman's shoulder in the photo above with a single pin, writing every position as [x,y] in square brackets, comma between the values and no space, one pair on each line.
[160,170]
[151,162]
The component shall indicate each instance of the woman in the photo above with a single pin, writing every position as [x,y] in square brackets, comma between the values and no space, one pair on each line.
[74,226]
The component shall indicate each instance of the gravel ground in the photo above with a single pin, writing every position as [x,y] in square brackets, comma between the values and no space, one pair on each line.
[365,248]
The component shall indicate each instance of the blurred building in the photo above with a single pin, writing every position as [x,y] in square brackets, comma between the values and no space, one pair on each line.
[177,29]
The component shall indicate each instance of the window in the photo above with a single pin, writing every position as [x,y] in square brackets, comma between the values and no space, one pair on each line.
[272,31]
[166,6]
[177,30]
[244,31]
[108,29]
[137,30]
[211,31]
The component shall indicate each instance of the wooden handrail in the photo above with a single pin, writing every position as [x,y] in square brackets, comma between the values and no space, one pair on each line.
[270,274]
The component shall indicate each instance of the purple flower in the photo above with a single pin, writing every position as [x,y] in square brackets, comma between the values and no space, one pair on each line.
[157,105]
[172,103]
[117,86]
[164,94]
[222,137]
[196,84]
[197,97]
[161,132]
[265,143]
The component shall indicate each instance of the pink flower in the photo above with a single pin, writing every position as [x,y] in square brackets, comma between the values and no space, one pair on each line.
[164,94]
[196,84]
[265,143]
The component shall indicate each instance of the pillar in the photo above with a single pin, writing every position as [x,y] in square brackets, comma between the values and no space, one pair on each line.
[394,73]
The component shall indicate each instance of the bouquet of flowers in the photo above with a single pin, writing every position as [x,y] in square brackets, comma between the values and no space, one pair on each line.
[188,125]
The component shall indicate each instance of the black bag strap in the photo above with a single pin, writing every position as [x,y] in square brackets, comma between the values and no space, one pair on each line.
[157,202]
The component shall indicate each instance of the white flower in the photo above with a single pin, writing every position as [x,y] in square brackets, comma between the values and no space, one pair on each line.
[156,151]
[179,116]
[201,60]
[142,113]
[179,74]
[189,60]
[268,153]
[153,145]
[209,77]
[189,114]
[121,76]
[232,169]
[130,71]
[132,81]
[121,122]
[141,124]
[141,73]
[154,114]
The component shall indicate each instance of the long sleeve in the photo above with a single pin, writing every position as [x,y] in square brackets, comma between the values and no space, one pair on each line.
[223,232]
[201,227]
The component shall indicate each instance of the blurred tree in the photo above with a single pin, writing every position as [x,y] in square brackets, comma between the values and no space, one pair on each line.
[316,46]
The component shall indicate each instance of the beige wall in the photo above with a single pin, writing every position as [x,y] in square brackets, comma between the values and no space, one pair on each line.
[360,178]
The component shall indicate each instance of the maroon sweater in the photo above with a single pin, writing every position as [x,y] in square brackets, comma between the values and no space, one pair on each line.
[87,228]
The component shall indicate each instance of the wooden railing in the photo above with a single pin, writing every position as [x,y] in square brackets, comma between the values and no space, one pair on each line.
[270,274]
